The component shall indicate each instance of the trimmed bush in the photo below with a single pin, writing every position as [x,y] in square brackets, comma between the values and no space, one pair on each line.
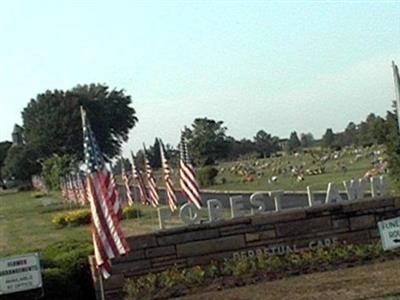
[83,216]
[131,213]
[65,273]
[207,175]
[38,195]
[72,218]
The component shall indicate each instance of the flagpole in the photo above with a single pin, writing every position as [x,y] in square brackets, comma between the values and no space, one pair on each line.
[396,78]
[101,288]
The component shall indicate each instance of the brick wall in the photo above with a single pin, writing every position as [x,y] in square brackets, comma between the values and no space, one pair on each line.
[274,233]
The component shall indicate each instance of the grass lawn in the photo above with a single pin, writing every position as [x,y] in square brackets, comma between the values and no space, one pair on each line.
[25,223]
[377,281]
[333,173]
[344,167]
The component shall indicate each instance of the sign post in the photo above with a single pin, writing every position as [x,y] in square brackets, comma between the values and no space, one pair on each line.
[20,273]
[390,233]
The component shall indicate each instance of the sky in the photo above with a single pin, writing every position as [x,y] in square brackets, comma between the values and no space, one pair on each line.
[276,66]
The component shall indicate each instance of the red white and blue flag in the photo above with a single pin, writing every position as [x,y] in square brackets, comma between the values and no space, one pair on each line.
[137,176]
[169,185]
[108,238]
[81,190]
[151,182]
[187,175]
[127,183]
[117,203]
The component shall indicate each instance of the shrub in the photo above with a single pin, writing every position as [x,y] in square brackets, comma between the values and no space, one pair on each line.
[131,213]
[38,194]
[72,218]
[54,168]
[166,283]
[66,271]
[20,163]
[83,216]
[206,176]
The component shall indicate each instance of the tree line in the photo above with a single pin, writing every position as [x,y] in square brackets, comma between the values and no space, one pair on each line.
[53,142]
[209,142]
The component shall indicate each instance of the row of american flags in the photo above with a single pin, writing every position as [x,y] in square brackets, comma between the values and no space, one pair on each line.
[97,187]
[74,190]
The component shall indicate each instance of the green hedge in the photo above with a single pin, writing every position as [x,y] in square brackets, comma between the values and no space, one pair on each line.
[65,273]
[82,216]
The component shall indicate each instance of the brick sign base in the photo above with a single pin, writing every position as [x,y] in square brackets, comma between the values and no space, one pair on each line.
[273,233]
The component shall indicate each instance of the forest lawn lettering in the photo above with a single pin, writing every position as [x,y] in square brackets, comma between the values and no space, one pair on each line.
[355,190]
[282,249]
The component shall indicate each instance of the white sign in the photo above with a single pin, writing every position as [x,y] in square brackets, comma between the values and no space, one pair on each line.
[20,273]
[390,233]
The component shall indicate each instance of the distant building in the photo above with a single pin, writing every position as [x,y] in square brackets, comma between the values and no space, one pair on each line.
[17,135]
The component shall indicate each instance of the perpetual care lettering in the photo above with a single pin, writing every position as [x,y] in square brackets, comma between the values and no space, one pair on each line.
[282,249]
[355,190]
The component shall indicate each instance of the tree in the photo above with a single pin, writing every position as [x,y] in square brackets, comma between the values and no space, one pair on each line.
[265,143]
[139,159]
[153,154]
[4,147]
[293,142]
[52,122]
[118,164]
[207,140]
[55,167]
[172,155]
[392,143]
[21,163]
[328,138]
[306,140]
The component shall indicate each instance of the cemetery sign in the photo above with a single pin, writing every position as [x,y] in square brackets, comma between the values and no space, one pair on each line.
[20,273]
[390,233]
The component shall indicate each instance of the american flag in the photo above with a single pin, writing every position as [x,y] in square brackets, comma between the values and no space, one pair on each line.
[108,238]
[187,175]
[126,180]
[64,189]
[151,182]
[169,186]
[117,204]
[81,190]
[72,192]
[137,176]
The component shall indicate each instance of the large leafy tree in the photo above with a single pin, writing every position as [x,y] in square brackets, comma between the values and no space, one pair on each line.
[52,121]
[207,140]
[306,140]
[153,154]
[294,142]
[265,143]
[392,143]
[328,139]
[4,146]
[21,163]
